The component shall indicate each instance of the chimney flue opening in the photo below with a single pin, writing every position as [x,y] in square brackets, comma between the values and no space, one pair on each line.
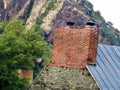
[90,24]
[70,24]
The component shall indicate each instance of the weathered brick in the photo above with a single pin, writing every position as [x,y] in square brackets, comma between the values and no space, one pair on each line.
[66,47]
[93,46]
[74,48]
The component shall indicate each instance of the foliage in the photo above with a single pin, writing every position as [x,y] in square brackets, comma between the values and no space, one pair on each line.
[46,59]
[9,79]
[18,49]
[89,5]
[37,69]
[46,54]
[51,6]
[108,32]
[38,29]
[2,24]
[39,21]
[105,27]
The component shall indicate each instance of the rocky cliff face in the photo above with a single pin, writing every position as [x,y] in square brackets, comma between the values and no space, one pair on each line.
[69,13]
[35,12]
[55,13]
[1,8]
[10,9]
[78,11]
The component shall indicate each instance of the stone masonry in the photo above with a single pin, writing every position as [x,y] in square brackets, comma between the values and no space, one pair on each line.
[56,78]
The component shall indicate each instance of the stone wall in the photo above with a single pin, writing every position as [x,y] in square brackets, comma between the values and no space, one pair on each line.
[55,78]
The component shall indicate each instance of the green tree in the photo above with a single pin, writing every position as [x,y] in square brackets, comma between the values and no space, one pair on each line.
[46,55]
[18,49]
[2,24]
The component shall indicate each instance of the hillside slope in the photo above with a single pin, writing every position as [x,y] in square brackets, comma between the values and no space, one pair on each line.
[55,13]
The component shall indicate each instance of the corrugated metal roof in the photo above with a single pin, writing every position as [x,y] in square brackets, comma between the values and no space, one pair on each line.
[107,70]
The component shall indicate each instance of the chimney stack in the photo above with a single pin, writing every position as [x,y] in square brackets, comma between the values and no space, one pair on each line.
[93,42]
[75,48]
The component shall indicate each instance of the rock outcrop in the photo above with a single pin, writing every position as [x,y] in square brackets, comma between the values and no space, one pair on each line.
[48,20]
[68,14]
[78,11]
[35,12]
[1,9]
[15,8]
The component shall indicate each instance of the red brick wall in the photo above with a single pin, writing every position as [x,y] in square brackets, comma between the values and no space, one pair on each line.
[93,46]
[74,48]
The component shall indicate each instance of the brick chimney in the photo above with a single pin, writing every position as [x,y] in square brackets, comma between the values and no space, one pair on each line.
[75,48]
[93,43]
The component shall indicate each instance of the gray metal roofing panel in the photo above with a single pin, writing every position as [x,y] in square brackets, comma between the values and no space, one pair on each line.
[107,69]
